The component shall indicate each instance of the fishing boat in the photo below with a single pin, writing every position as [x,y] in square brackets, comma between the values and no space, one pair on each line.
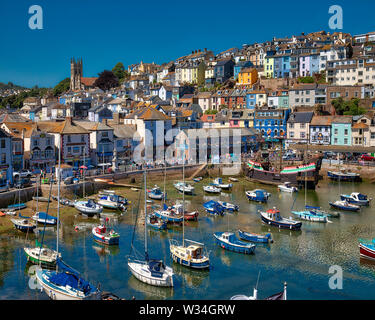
[367,249]
[184,187]
[178,209]
[272,217]
[344,205]
[287,187]
[356,198]
[255,237]
[39,255]
[88,207]
[151,271]
[229,241]
[24,225]
[211,189]
[102,235]
[65,284]
[191,255]
[258,195]
[155,193]
[310,215]
[343,176]
[111,201]
[154,222]
[213,207]
[169,215]
[218,182]
[228,206]
[44,218]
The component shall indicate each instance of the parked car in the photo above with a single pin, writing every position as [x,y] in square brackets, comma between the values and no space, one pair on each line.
[367,157]
[22,174]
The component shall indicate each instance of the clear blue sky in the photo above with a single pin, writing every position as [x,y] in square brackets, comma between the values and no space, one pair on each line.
[106,32]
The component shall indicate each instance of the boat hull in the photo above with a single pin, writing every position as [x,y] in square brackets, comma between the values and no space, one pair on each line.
[169,218]
[188,263]
[344,208]
[366,252]
[282,225]
[234,247]
[138,271]
[353,201]
[310,217]
[255,237]
[343,177]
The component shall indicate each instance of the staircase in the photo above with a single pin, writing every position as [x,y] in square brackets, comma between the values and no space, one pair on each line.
[196,172]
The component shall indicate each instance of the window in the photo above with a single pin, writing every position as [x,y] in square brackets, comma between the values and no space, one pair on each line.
[82,138]
[302,125]
[35,142]
[291,125]
[346,132]
[76,149]
[69,149]
[345,140]
[302,135]
[336,131]
[291,134]
[105,134]
[335,140]
[3,158]
[69,139]
[372,135]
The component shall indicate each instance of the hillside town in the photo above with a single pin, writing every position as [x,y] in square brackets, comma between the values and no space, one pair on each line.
[309,89]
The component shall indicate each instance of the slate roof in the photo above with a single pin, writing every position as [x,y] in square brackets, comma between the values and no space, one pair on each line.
[300,117]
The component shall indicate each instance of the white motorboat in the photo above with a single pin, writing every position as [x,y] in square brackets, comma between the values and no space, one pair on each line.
[211,189]
[287,187]
[44,218]
[184,187]
[155,193]
[218,182]
[110,201]
[89,207]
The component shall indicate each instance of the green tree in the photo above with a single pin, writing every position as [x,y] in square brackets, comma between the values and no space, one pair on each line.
[120,72]
[61,87]
[306,79]
[347,107]
[201,74]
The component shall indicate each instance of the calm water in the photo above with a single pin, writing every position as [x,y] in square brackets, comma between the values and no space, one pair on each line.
[302,259]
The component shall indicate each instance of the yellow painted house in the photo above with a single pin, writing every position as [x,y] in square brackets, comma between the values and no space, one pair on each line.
[268,67]
[247,76]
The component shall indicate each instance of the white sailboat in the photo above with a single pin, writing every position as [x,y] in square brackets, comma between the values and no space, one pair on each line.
[191,255]
[151,271]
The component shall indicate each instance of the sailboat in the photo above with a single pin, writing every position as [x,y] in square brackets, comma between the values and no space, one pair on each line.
[64,283]
[191,255]
[151,271]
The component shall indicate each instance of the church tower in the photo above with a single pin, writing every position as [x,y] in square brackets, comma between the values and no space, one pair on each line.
[76,74]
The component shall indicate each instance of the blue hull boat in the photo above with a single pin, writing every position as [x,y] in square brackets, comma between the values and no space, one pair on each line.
[343,205]
[258,195]
[253,237]
[342,176]
[213,207]
[356,198]
[17,206]
[228,241]
[272,217]
[155,223]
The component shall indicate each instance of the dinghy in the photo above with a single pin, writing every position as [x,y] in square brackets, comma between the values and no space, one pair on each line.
[272,217]
[356,198]
[228,206]
[155,193]
[218,182]
[197,179]
[229,241]
[44,218]
[344,205]
[184,187]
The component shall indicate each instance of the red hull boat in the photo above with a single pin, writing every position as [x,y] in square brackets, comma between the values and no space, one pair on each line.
[367,251]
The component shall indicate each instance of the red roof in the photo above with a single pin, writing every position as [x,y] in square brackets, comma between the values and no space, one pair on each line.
[88,82]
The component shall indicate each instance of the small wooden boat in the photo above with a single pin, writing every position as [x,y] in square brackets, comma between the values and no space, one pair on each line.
[213,207]
[343,176]
[89,207]
[17,206]
[229,241]
[258,195]
[155,193]
[41,199]
[218,182]
[356,198]
[24,225]
[44,218]
[287,187]
[254,237]
[344,205]
[191,255]
[228,206]
[367,249]
[102,235]
[184,187]
[233,179]
[272,217]
[312,216]
[154,222]
[211,189]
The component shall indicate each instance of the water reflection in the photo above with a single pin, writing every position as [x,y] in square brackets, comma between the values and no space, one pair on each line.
[148,291]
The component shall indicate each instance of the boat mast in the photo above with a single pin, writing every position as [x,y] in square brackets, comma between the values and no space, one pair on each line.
[183,197]
[145,180]
[58,201]
[165,175]
[84,161]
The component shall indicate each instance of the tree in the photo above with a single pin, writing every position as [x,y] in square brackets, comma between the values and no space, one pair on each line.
[201,74]
[349,108]
[106,80]
[61,87]
[306,79]
[120,72]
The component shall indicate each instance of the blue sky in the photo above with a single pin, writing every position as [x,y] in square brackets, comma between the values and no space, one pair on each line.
[159,31]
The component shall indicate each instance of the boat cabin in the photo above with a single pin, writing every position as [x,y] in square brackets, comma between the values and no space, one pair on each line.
[195,251]
[274,214]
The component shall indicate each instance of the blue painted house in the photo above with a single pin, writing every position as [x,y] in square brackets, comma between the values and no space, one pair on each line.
[223,70]
[271,122]
[281,66]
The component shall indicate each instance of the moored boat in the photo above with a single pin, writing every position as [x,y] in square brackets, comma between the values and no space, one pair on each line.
[356,198]
[190,255]
[229,241]
[343,176]
[255,237]
[213,207]
[44,218]
[344,205]
[102,235]
[211,189]
[155,193]
[272,217]
[44,256]
[367,249]
[178,210]
[169,215]
[218,182]
[88,207]
[24,225]
[111,201]
[320,211]
[228,206]
[310,216]
[156,223]
[17,206]
[198,179]
[184,187]
[258,195]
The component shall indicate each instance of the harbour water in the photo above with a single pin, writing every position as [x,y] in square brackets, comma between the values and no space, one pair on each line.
[300,258]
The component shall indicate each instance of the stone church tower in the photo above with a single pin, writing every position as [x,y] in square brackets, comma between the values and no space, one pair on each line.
[76,74]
